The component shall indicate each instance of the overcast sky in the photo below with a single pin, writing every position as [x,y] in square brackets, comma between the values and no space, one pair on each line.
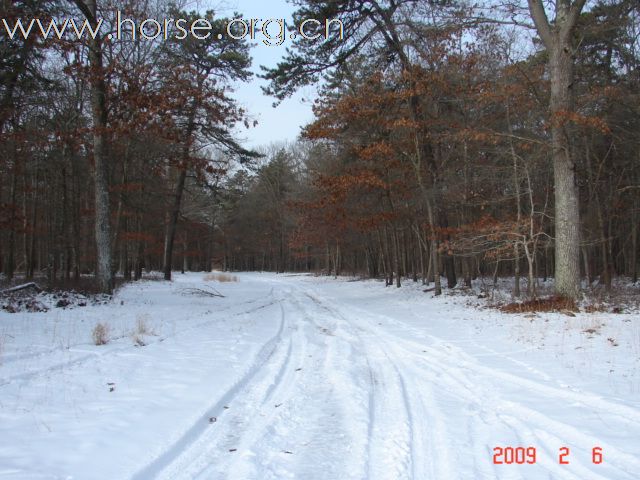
[274,124]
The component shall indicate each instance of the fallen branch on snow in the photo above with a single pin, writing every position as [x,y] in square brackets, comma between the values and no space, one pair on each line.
[201,292]
[22,287]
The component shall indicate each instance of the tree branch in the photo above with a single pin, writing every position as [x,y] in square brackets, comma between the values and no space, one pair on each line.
[572,18]
[541,21]
[85,11]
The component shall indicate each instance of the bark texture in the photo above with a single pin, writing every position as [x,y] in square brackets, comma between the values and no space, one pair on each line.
[104,275]
[557,37]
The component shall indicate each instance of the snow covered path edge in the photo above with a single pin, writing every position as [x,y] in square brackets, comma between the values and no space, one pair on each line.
[302,377]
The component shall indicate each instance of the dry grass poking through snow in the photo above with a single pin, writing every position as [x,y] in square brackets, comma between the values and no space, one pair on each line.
[142,329]
[220,277]
[548,304]
[100,334]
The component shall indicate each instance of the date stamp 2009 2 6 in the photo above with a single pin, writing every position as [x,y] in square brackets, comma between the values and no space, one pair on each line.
[528,455]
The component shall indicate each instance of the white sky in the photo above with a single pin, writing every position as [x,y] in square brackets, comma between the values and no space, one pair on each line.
[274,124]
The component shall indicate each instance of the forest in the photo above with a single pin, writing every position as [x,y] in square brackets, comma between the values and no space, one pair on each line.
[450,140]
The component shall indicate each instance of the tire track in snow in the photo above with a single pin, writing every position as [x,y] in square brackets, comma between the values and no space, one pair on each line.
[347,393]
[371,404]
[390,429]
[389,434]
[253,414]
[316,421]
[445,352]
[438,347]
[455,368]
[562,432]
[417,406]
[243,443]
[186,453]
[88,356]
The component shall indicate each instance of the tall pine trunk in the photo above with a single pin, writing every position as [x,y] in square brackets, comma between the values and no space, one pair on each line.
[177,197]
[173,223]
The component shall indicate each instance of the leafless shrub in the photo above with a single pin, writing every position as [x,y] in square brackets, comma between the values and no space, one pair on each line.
[142,328]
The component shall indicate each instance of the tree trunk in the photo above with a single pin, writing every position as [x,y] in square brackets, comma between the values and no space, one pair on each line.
[634,229]
[557,38]
[567,211]
[516,185]
[585,261]
[31,255]
[634,242]
[137,274]
[396,257]
[173,222]
[466,269]
[11,263]
[101,176]
[434,258]
[327,259]
[531,287]
[185,262]
[605,278]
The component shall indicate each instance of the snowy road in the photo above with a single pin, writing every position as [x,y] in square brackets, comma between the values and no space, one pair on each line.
[339,380]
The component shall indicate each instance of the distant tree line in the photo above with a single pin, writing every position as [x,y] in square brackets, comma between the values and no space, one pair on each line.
[450,142]
[101,138]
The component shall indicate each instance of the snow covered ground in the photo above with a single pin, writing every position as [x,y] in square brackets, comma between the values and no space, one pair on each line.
[297,377]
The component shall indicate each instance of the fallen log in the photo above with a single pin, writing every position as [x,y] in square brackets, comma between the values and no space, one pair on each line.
[25,286]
